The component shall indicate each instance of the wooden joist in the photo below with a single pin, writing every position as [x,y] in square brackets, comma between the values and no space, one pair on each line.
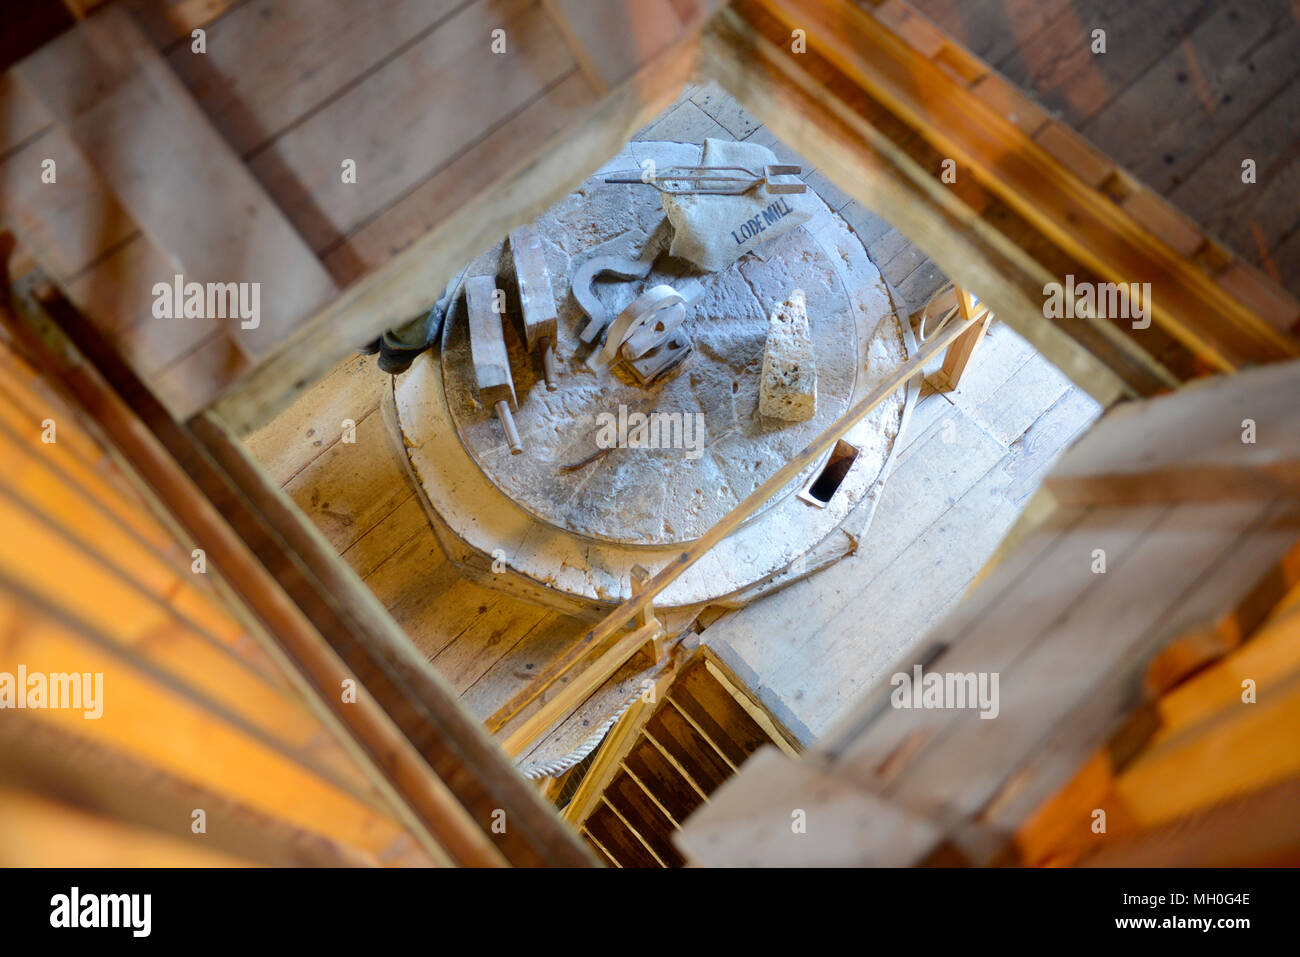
[36,831]
[1069,623]
[226,229]
[1153,786]
[42,760]
[1258,829]
[881,99]
[218,518]
[202,744]
[1239,452]
[410,282]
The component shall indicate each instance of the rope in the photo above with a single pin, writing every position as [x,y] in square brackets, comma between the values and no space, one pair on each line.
[560,765]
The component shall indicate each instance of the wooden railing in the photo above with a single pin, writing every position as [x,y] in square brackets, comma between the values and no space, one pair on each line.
[586,664]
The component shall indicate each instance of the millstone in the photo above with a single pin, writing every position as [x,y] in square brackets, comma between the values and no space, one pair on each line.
[712,446]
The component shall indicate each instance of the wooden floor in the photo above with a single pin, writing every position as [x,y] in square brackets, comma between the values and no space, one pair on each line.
[969,462]
[1186,90]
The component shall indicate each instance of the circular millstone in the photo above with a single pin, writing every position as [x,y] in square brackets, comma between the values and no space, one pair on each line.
[709,447]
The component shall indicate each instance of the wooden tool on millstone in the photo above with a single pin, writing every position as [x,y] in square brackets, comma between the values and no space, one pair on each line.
[487,343]
[535,298]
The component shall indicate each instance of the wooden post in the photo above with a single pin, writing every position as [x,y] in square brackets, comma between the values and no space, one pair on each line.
[595,648]
[960,353]
[646,616]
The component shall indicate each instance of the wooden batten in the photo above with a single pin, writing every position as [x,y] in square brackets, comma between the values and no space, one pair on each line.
[881,124]
[1072,641]
[465,836]
[411,282]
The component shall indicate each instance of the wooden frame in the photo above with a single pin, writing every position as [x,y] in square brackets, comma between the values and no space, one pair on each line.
[438,759]
[1002,231]
[960,353]
[878,100]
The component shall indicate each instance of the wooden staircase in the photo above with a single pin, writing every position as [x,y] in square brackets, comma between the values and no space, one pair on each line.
[663,759]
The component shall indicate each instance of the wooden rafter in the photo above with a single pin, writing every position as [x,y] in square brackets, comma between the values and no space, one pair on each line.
[411,282]
[1072,621]
[881,99]
[438,760]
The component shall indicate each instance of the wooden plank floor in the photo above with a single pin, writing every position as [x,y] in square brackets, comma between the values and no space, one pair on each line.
[968,463]
[1185,92]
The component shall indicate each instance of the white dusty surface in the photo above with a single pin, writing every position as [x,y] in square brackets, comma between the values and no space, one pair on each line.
[671,501]
[666,495]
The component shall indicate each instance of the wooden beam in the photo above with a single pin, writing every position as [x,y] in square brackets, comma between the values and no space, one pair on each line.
[134,706]
[748,822]
[880,55]
[411,282]
[421,792]
[595,670]
[1223,439]
[595,639]
[36,831]
[960,353]
[1240,749]
[42,759]
[1240,483]
[1260,829]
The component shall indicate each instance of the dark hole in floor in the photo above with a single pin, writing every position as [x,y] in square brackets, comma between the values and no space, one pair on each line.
[841,460]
